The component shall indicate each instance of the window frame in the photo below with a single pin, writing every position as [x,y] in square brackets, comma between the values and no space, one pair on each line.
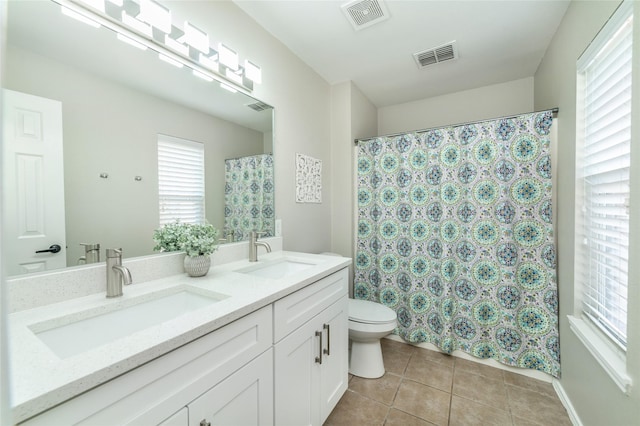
[605,347]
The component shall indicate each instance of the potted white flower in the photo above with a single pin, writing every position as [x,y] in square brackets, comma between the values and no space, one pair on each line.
[196,240]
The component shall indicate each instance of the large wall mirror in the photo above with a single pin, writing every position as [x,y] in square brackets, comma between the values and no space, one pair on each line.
[116,101]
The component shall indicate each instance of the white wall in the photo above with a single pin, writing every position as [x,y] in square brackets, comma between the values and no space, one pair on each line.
[112,128]
[352,116]
[594,396]
[497,100]
[342,165]
[302,114]
[364,119]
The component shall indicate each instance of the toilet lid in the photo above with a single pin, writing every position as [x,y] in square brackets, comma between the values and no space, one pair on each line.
[370,312]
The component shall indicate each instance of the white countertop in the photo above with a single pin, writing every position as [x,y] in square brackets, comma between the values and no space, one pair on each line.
[40,379]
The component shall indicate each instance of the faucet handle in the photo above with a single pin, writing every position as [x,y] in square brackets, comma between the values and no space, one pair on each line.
[114,252]
[88,247]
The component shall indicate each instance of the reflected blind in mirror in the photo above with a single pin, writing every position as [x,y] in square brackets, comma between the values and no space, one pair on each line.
[180,180]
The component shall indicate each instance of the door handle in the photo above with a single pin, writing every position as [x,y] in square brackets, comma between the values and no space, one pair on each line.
[328,328]
[55,248]
[319,358]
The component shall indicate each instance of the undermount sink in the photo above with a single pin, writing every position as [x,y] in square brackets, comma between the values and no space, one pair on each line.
[80,332]
[277,269]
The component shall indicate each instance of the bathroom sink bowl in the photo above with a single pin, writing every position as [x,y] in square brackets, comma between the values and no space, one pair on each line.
[79,332]
[277,269]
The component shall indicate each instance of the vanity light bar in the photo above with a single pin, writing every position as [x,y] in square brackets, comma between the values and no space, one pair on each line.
[156,15]
[195,38]
[136,24]
[176,46]
[209,62]
[96,4]
[146,23]
[227,57]
[79,17]
[252,71]
[233,76]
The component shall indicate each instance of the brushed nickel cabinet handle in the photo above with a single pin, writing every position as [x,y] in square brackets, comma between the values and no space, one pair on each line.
[319,358]
[328,328]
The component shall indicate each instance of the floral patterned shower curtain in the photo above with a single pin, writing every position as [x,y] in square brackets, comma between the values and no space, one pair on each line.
[249,203]
[455,234]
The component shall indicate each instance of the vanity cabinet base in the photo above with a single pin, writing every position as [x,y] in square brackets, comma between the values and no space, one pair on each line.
[151,393]
[286,363]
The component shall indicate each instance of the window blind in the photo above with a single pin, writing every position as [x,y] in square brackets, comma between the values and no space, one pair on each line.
[180,180]
[605,173]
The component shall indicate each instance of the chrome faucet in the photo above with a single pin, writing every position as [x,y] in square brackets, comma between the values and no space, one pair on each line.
[253,246]
[91,253]
[116,273]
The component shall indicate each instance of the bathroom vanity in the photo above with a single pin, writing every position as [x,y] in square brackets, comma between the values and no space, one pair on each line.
[250,343]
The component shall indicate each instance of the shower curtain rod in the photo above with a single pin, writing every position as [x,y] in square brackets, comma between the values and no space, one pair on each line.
[248,156]
[553,110]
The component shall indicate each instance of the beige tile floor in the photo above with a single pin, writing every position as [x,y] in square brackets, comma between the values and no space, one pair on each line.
[423,387]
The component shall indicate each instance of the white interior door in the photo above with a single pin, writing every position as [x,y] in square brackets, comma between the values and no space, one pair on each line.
[33,184]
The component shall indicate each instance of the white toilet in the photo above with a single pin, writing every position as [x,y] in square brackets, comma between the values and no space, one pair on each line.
[368,323]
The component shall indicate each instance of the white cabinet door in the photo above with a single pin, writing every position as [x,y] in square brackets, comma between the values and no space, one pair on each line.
[297,376]
[244,398]
[311,368]
[334,376]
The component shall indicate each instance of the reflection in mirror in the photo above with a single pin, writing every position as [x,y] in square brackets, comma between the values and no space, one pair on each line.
[111,103]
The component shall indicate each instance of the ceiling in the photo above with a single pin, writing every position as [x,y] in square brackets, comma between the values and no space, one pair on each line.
[497,41]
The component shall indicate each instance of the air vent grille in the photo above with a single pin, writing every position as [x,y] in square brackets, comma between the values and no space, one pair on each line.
[446,52]
[259,106]
[364,13]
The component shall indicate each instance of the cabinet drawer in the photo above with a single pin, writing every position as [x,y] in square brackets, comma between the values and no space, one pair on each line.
[152,392]
[296,309]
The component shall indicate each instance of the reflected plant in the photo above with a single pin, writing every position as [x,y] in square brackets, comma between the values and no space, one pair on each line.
[193,239]
[169,237]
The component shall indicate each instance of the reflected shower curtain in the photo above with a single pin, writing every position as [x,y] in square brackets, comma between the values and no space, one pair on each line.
[249,203]
[455,234]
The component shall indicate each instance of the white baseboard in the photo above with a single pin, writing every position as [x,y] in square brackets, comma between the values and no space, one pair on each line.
[564,398]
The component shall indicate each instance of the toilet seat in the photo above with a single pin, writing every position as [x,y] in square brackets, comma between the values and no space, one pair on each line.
[367,312]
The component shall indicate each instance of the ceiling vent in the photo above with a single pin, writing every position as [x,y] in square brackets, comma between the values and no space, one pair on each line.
[259,106]
[364,13]
[446,52]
